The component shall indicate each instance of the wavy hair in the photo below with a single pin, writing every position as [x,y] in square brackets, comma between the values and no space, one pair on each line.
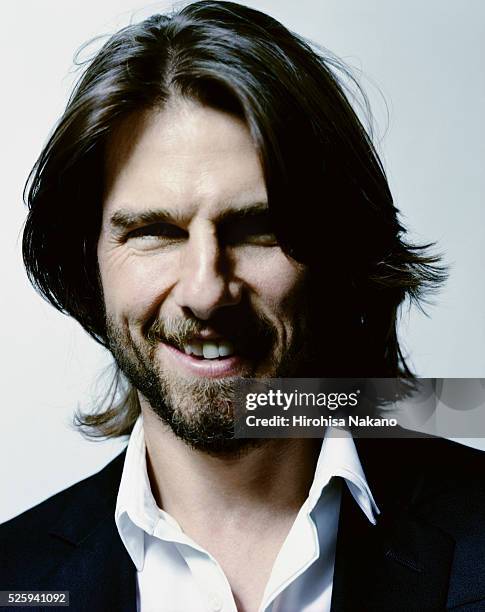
[327,190]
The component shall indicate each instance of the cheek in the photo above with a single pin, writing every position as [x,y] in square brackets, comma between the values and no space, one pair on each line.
[278,283]
[134,285]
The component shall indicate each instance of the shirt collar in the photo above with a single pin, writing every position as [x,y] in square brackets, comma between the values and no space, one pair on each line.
[137,512]
[339,458]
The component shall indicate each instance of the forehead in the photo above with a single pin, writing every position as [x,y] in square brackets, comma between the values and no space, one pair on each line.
[187,157]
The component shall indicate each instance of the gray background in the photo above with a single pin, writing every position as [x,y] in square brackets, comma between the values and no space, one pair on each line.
[423,57]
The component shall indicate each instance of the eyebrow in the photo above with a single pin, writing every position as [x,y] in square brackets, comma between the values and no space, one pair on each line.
[124,219]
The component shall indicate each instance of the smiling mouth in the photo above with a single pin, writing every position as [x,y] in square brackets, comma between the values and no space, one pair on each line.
[208,352]
[212,355]
[209,349]
[211,363]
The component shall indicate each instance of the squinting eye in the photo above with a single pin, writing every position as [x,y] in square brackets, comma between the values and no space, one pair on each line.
[253,231]
[154,235]
[262,239]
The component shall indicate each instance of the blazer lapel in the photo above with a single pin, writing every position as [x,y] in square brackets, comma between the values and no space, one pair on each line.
[89,558]
[401,564]
[98,572]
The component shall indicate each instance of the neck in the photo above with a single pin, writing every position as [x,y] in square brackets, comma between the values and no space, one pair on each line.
[270,479]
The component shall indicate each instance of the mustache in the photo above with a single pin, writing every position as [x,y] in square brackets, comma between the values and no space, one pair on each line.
[249,332]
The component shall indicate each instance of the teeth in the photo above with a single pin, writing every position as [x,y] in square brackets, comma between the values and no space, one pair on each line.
[210,350]
[225,349]
[197,349]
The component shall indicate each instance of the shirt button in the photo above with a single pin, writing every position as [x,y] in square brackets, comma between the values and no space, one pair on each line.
[215,602]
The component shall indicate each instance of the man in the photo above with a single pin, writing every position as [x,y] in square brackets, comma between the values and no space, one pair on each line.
[210,208]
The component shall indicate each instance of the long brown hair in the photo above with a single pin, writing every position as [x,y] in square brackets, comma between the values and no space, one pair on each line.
[327,189]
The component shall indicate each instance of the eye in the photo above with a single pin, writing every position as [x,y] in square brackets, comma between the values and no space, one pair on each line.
[254,230]
[154,235]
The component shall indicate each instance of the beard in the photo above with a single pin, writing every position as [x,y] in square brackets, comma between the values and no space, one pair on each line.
[200,411]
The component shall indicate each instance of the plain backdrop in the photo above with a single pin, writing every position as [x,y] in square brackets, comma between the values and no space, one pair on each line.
[425,59]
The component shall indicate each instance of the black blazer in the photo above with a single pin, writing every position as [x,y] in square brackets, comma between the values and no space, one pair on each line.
[426,553]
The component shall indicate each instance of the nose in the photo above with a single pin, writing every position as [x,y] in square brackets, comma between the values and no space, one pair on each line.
[205,281]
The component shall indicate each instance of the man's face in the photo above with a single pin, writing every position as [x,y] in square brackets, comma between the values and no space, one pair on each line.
[197,291]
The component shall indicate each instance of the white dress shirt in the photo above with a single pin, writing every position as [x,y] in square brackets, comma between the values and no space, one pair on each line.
[174,574]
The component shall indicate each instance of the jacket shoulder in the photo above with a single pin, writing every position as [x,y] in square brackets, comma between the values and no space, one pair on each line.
[46,512]
[32,540]
[438,465]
